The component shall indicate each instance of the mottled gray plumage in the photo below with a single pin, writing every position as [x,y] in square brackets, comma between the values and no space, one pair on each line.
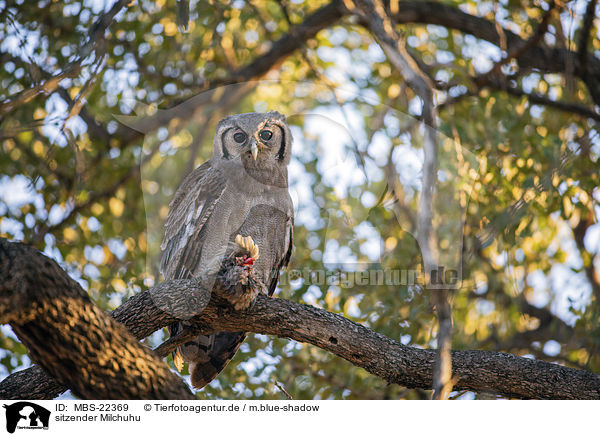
[241,190]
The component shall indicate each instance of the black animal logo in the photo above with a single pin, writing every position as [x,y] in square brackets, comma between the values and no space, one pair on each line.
[26,414]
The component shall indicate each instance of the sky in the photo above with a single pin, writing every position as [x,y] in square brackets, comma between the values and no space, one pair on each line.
[336,126]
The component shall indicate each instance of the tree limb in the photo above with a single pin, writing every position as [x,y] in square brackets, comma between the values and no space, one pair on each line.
[71,338]
[532,41]
[487,371]
[534,98]
[47,87]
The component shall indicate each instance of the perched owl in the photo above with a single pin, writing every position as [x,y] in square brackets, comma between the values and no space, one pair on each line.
[231,216]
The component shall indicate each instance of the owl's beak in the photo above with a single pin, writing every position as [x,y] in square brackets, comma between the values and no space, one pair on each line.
[254,149]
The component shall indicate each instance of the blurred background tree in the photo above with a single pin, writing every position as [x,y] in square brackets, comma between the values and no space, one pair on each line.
[517,85]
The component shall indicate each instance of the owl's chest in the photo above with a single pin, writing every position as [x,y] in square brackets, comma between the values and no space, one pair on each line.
[248,215]
[248,210]
[244,195]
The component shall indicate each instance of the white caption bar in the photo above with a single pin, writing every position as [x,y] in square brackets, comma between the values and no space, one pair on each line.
[308,418]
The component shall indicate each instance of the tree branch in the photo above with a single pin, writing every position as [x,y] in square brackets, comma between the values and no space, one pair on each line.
[71,338]
[47,87]
[484,371]
[534,98]
[520,49]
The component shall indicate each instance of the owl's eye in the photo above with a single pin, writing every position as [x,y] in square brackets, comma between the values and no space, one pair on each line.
[265,135]
[239,137]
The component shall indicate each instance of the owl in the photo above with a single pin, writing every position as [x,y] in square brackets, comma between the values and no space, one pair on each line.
[231,223]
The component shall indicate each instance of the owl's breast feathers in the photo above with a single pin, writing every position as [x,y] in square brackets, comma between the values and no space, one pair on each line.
[211,207]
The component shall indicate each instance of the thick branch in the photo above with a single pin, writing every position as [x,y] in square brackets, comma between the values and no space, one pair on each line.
[502,373]
[73,339]
[30,384]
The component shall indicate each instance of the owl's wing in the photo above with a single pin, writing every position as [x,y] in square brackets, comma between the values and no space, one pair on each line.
[192,205]
[283,253]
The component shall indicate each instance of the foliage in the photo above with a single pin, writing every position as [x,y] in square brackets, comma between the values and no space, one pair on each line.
[72,186]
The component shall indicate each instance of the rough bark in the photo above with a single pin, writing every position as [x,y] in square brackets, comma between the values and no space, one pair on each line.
[30,384]
[71,338]
[488,371]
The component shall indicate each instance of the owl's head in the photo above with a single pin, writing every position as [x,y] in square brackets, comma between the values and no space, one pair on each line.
[260,140]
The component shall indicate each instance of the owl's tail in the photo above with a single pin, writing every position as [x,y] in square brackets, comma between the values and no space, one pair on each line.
[207,355]
[225,345]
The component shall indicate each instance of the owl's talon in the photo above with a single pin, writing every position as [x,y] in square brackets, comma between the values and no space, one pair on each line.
[178,360]
[247,243]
